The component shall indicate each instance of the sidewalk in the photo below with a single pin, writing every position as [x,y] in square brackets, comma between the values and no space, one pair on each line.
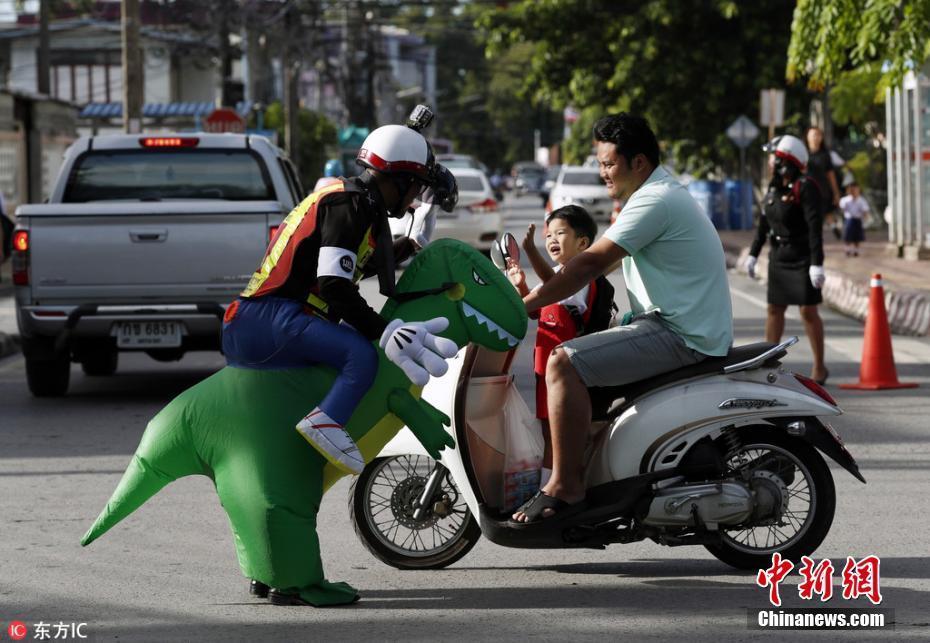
[906,283]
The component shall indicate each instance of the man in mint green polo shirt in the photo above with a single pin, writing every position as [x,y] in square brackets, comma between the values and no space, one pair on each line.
[676,280]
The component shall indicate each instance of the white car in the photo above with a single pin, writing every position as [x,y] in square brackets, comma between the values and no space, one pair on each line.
[581,185]
[476,219]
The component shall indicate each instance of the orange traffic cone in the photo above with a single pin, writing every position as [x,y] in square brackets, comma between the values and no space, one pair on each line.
[877,370]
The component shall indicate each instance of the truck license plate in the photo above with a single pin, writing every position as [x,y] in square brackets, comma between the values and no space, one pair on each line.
[148,334]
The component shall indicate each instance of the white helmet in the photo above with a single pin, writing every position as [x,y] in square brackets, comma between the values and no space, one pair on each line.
[789,148]
[397,149]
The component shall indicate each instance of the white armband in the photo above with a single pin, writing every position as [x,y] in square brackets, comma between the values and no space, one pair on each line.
[336,262]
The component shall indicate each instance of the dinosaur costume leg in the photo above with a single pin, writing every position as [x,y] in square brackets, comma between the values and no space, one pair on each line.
[276,539]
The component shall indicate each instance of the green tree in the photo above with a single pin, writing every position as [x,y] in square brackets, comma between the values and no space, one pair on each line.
[482,107]
[690,66]
[318,141]
[832,37]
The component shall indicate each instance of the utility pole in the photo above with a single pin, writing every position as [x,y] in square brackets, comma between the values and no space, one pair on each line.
[226,100]
[42,62]
[133,88]
[291,68]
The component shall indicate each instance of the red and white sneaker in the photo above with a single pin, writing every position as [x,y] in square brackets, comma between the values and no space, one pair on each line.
[332,441]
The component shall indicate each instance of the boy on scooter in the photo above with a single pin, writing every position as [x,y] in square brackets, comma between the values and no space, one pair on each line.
[569,230]
[676,281]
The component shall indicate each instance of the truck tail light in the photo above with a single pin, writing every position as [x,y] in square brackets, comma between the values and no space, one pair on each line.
[488,205]
[169,141]
[21,258]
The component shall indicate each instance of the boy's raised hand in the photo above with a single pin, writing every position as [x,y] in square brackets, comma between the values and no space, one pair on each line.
[529,240]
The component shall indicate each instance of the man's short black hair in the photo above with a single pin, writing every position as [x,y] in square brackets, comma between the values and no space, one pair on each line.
[631,134]
[578,220]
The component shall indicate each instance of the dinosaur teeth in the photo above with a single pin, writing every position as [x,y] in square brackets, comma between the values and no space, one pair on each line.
[491,326]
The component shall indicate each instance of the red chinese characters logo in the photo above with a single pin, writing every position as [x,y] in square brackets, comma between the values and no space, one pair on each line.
[816,580]
[774,575]
[860,578]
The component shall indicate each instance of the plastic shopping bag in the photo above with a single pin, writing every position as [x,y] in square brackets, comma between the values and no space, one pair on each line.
[523,451]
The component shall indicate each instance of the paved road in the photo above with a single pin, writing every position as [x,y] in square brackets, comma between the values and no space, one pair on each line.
[169,572]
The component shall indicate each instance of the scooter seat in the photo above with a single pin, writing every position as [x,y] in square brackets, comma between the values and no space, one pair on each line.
[603,398]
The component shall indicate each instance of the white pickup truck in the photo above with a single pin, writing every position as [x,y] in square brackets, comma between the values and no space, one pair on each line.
[143,243]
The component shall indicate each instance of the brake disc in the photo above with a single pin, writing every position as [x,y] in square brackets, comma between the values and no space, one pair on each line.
[403,504]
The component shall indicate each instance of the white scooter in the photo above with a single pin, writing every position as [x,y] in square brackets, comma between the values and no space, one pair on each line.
[724,454]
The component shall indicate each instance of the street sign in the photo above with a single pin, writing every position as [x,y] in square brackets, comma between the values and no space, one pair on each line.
[224,119]
[772,107]
[742,132]
[570,114]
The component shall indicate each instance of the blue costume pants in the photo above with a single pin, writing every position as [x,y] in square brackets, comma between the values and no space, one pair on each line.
[277,333]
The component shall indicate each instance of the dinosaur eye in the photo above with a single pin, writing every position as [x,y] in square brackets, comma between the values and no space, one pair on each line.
[477,278]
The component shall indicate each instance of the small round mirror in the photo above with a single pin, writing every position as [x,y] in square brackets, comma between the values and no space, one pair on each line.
[510,247]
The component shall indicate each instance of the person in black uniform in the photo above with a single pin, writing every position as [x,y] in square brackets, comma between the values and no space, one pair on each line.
[792,220]
[820,168]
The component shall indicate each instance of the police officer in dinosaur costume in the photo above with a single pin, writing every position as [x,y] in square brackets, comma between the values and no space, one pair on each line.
[236,428]
[302,306]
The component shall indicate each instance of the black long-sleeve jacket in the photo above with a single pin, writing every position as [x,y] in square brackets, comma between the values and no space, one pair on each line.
[792,215]
[325,261]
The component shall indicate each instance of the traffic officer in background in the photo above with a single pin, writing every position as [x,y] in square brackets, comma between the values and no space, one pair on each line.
[792,222]
[289,314]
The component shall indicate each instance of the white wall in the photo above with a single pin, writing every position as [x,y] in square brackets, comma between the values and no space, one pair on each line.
[195,80]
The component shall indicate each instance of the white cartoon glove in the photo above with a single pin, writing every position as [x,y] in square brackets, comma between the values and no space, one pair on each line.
[415,348]
[818,276]
[751,266]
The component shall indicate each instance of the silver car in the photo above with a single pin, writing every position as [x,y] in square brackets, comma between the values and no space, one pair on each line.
[582,186]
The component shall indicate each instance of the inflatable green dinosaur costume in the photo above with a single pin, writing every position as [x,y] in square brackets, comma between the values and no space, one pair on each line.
[237,427]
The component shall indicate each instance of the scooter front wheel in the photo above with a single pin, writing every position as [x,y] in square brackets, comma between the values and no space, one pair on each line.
[383,504]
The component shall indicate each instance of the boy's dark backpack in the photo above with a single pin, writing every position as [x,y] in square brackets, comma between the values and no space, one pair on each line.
[601,308]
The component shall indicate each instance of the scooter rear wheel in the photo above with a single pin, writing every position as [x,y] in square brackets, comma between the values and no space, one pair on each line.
[811,501]
[382,510]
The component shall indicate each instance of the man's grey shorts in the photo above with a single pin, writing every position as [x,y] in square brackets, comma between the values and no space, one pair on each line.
[622,354]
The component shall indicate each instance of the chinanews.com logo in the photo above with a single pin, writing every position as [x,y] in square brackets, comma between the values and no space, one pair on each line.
[42,631]
[859,579]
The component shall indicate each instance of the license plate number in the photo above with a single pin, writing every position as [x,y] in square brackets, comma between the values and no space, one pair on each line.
[148,334]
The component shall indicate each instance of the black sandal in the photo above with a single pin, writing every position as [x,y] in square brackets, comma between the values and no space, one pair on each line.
[535,506]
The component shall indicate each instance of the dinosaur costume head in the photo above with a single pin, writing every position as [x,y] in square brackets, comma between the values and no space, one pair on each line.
[482,307]
[238,427]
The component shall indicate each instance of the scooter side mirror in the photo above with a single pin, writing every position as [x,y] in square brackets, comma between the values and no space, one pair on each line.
[504,249]
[511,247]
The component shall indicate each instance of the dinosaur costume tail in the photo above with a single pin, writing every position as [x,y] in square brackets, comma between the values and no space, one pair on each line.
[164,454]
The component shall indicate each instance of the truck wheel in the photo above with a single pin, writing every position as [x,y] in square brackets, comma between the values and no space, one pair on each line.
[48,377]
[100,363]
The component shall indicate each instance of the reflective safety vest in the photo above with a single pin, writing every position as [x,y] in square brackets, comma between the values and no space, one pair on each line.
[300,224]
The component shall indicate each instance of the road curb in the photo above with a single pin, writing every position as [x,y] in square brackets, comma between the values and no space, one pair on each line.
[908,310]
